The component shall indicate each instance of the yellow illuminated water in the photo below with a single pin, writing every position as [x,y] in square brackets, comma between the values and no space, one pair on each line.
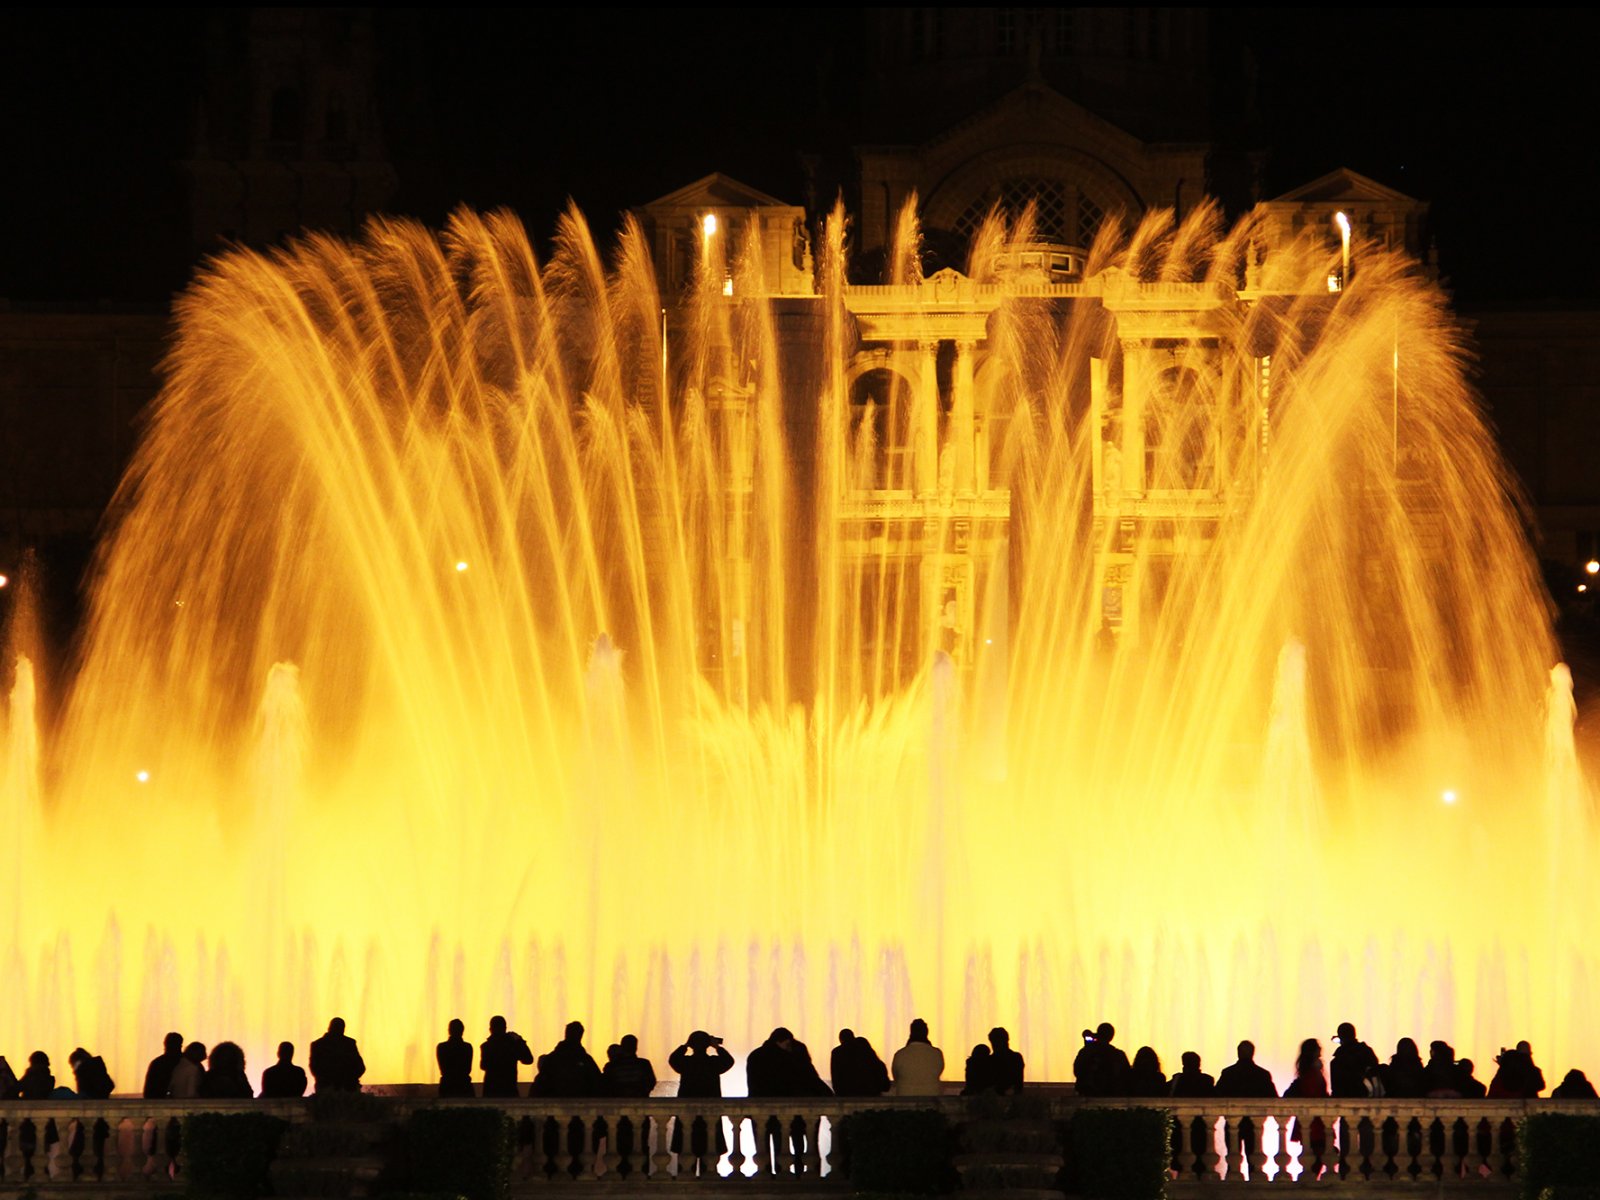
[441,665]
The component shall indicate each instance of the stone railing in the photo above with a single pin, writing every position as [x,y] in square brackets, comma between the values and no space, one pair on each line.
[1387,1145]
[95,1143]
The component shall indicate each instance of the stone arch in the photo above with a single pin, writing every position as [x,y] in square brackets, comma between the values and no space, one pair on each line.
[880,387]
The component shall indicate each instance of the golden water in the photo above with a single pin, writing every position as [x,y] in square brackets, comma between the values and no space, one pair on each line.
[440,664]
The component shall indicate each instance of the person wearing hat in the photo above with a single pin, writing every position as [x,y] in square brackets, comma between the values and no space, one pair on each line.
[700,1062]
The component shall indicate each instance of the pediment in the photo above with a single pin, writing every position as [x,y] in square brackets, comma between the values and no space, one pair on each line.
[1033,112]
[1344,186]
[717,190]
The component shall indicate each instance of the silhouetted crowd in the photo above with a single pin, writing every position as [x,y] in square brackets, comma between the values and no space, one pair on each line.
[1354,1070]
[782,1067]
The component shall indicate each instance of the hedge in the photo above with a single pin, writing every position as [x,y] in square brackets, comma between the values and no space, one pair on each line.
[897,1151]
[227,1154]
[1119,1153]
[1558,1151]
[459,1152]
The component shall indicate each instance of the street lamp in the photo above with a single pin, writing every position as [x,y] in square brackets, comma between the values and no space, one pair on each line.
[1343,222]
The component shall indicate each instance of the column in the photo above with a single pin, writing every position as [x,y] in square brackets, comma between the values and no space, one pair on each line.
[925,420]
[961,418]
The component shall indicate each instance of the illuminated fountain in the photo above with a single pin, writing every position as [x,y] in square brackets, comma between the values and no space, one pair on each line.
[461,648]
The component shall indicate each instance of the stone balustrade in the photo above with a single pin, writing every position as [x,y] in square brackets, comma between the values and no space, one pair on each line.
[1389,1145]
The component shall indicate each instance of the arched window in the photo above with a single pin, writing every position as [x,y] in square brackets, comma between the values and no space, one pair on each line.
[1178,451]
[880,431]
[1063,213]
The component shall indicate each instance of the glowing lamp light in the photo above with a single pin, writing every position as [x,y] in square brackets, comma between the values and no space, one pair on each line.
[461,565]
[1334,282]
[1448,796]
[708,225]
[4,580]
[1343,222]
[727,286]
[143,776]
[1592,567]
[1583,587]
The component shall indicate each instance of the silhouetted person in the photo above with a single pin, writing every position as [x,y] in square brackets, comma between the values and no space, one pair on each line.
[568,1070]
[498,1057]
[1192,1081]
[336,1064]
[1101,1069]
[1245,1079]
[158,1075]
[782,1066]
[226,1080]
[917,1066]
[626,1074]
[700,1062]
[1441,1077]
[1310,1082]
[9,1084]
[89,1075]
[1472,1088]
[1353,1063]
[188,1072]
[1008,1065]
[980,1071]
[1575,1086]
[855,1067]
[1146,1078]
[1403,1076]
[283,1080]
[1516,1077]
[37,1083]
[454,1056]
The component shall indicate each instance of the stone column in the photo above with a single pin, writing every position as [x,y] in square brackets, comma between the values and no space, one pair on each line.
[962,430]
[925,420]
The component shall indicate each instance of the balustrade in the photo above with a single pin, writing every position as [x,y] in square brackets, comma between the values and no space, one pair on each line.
[1440,1145]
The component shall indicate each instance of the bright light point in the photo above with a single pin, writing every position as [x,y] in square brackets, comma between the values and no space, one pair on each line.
[461,566]
[708,225]
[1583,587]
[988,641]
[4,579]
[143,776]
[1334,284]
[177,603]
[727,286]
[1592,566]
[1448,796]
[1343,222]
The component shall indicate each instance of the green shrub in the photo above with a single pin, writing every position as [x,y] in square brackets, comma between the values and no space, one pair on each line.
[1558,1151]
[894,1150]
[459,1152]
[227,1154]
[1119,1153]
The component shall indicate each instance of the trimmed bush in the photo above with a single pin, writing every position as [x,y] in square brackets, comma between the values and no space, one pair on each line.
[897,1151]
[227,1154]
[1558,1152]
[1119,1153]
[463,1152]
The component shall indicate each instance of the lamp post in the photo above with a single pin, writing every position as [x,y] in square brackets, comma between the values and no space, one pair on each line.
[1343,222]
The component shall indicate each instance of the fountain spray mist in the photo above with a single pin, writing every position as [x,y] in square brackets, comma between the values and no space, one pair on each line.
[471,639]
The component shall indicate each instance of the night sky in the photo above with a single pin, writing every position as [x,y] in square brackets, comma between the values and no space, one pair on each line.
[1491,116]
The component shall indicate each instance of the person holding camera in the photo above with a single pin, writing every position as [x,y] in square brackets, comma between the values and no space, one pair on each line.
[700,1062]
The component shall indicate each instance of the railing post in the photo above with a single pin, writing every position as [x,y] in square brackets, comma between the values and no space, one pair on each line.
[736,1156]
[763,1147]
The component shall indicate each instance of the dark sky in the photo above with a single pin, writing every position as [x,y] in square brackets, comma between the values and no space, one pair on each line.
[1489,115]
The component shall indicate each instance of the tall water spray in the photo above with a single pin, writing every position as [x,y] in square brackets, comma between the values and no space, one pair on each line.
[454,655]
